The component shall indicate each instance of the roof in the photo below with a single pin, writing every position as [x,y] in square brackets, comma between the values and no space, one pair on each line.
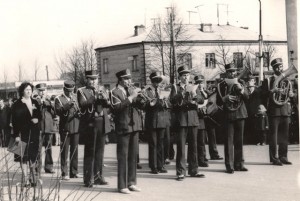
[225,32]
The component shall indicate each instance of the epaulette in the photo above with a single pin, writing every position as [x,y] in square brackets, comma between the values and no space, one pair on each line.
[81,92]
[57,98]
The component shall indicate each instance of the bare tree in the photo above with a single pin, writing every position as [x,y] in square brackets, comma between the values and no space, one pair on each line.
[76,61]
[36,69]
[5,78]
[222,52]
[168,35]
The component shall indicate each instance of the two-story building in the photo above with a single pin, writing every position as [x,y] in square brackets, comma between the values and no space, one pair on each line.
[205,49]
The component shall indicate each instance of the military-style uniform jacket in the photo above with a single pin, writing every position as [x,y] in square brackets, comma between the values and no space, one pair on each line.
[185,109]
[90,108]
[274,109]
[48,113]
[157,116]
[67,110]
[222,93]
[127,115]
[202,112]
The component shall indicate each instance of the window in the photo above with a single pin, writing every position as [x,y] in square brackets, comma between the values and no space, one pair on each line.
[266,57]
[210,61]
[134,63]
[185,60]
[238,59]
[105,65]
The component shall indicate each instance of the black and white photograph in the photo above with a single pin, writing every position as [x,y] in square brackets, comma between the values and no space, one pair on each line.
[149,100]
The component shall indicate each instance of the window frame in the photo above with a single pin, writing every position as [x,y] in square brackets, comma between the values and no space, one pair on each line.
[105,66]
[210,60]
[134,63]
[238,64]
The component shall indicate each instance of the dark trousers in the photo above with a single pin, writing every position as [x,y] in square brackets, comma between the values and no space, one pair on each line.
[167,141]
[94,152]
[126,155]
[279,129]
[261,136]
[192,150]
[212,142]
[48,151]
[69,141]
[156,148]
[234,144]
[201,152]
[4,136]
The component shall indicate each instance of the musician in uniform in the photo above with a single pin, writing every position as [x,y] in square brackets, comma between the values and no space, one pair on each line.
[94,124]
[185,99]
[66,107]
[201,137]
[231,95]
[279,115]
[46,124]
[128,124]
[156,121]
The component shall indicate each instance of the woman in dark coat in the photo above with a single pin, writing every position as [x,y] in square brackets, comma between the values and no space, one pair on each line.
[25,118]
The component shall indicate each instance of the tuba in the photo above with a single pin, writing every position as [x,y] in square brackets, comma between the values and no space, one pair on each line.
[283,85]
[234,89]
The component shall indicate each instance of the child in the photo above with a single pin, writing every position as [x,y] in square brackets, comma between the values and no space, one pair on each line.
[261,124]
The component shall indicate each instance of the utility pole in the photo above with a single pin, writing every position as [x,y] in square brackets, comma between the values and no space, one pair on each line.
[260,44]
[199,12]
[173,44]
[47,73]
[189,11]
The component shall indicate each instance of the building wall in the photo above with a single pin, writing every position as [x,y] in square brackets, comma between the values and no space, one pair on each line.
[199,50]
[291,24]
[120,59]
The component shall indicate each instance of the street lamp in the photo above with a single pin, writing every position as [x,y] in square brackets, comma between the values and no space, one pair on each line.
[260,43]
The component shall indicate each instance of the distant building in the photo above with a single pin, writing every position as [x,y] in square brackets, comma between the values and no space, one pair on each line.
[138,52]
[10,90]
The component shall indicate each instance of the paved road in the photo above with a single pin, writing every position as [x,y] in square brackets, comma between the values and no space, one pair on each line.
[262,182]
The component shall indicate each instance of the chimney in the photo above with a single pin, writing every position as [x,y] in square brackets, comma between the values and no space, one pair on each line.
[139,29]
[206,28]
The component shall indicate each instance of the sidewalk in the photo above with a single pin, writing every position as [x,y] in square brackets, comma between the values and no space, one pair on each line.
[262,182]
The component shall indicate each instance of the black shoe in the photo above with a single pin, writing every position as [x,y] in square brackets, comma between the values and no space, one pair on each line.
[230,171]
[203,164]
[205,159]
[100,182]
[277,162]
[154,171]
[88,185]
[216,158]
[138,166]
[49,171]
[76,176]
[285,161]
[162,170]
[198,175]
[243,169]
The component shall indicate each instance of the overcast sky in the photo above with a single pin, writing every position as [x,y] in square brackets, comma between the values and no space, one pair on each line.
[37,30]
